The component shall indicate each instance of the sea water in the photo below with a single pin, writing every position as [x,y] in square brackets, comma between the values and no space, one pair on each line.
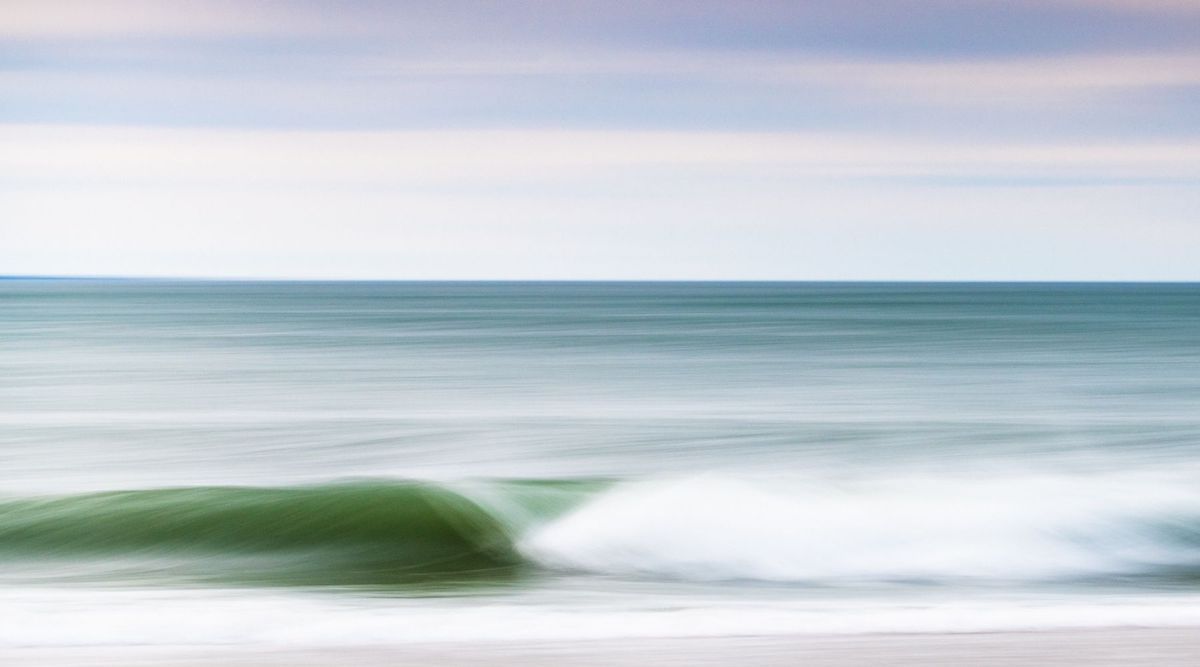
[196,463]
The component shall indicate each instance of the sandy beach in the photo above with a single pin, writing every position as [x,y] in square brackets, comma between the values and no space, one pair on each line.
[1160,647]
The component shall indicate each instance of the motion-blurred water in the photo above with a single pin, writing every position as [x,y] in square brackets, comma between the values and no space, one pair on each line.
[221,462]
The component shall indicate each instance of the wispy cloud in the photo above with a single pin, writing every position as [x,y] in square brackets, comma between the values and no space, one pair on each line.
[586,138]
[479,159]
[913,64]
[89,19]
[711,22]
[1112,92]
[1141,6]
[946,79]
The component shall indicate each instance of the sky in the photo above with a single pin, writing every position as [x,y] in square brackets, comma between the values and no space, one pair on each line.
[614,139]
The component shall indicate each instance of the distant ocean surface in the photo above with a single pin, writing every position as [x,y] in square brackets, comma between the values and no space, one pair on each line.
[241,463]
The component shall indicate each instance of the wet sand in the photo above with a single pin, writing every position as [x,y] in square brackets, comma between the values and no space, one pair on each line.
[1160,647]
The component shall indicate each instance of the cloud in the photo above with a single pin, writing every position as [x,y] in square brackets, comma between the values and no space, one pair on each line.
[983,66]
[900,26]
[591,204]
[74,19]
[943,79]
[480,158]
[1141,6]
[687,230]
[1121,93]
[588,139]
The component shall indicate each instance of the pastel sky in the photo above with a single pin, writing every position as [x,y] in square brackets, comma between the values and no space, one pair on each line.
[580,139]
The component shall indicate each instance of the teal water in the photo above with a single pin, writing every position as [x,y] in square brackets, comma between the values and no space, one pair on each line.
[409,461]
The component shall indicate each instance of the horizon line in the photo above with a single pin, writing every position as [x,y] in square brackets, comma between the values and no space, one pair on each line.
[236,279]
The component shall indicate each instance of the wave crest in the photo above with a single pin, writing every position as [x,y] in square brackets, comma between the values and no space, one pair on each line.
[364,532]
[803,530]
[1011,528]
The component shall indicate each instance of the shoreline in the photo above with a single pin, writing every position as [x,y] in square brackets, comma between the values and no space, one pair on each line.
[1094,647]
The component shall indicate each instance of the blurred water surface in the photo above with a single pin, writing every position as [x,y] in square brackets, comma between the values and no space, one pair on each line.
[593,459]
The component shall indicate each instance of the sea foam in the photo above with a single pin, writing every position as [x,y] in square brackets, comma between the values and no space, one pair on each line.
[1027,527]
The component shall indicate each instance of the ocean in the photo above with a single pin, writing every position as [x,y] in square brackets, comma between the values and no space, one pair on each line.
[196,463]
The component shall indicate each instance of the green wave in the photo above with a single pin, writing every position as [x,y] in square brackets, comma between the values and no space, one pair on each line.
[375,532]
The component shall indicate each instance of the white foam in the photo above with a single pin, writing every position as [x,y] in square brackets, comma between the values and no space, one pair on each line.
[48,618]
[1007,527]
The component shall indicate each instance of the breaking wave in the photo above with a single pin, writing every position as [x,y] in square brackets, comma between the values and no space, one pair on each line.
[707,528]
